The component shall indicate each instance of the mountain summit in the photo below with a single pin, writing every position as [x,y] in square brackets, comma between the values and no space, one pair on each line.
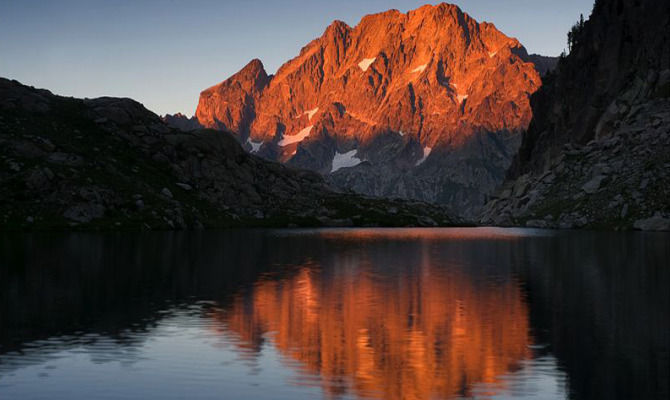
[416,105]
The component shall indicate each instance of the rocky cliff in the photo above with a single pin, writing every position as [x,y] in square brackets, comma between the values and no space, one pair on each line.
[426,105]
[109,163]
[597,152]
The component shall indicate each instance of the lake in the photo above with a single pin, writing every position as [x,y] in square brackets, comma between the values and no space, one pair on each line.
[335,314]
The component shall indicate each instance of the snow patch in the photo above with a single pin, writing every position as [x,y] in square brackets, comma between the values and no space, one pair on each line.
[286,140]
[461,98]
[255,146]
[420,68]
[345,160]
[491,55]
[426,153]
[365,64]
[401,133]
[454,85]
[311,113]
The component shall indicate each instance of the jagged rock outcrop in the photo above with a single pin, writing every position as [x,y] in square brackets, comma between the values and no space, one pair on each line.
[110,163]
[182,122]
[597,152]
[385,97]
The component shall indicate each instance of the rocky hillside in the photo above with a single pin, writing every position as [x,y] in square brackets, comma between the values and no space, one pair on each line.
[597,152]
[427,104]
[109,163]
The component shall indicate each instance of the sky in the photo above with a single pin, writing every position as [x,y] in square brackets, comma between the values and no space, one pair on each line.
[163,53]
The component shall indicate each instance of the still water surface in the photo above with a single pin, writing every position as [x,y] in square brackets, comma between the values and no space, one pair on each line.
[336,314]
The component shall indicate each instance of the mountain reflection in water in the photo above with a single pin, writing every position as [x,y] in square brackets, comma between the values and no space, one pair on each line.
[339,313]
[421,332]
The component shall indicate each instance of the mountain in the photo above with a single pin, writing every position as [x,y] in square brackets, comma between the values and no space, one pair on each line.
[543,64]
[427,105]
[109,163]
[597,152]
[181,122]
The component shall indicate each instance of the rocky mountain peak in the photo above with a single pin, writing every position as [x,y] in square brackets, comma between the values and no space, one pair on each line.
[230,104]
[255,69]
[251,78]
[430,78]
[337,29]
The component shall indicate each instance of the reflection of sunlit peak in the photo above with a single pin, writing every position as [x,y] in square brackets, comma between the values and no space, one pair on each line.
[306,293]
[365,361]
[343,234]
[415,338]
[416,349]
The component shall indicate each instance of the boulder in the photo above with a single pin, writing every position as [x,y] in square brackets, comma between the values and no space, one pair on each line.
[84,212]
[184,186]
[536,223]
[71,160]
[655,223]
[594,184]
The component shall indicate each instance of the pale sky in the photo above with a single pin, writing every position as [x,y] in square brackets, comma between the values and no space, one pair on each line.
[164,52]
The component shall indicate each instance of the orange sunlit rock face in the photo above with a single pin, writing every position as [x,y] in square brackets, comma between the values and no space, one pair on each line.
[434,74]
[418,336]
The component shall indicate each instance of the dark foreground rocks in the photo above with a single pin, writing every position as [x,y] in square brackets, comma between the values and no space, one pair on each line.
[109,163]
[597,152]
[621,181]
